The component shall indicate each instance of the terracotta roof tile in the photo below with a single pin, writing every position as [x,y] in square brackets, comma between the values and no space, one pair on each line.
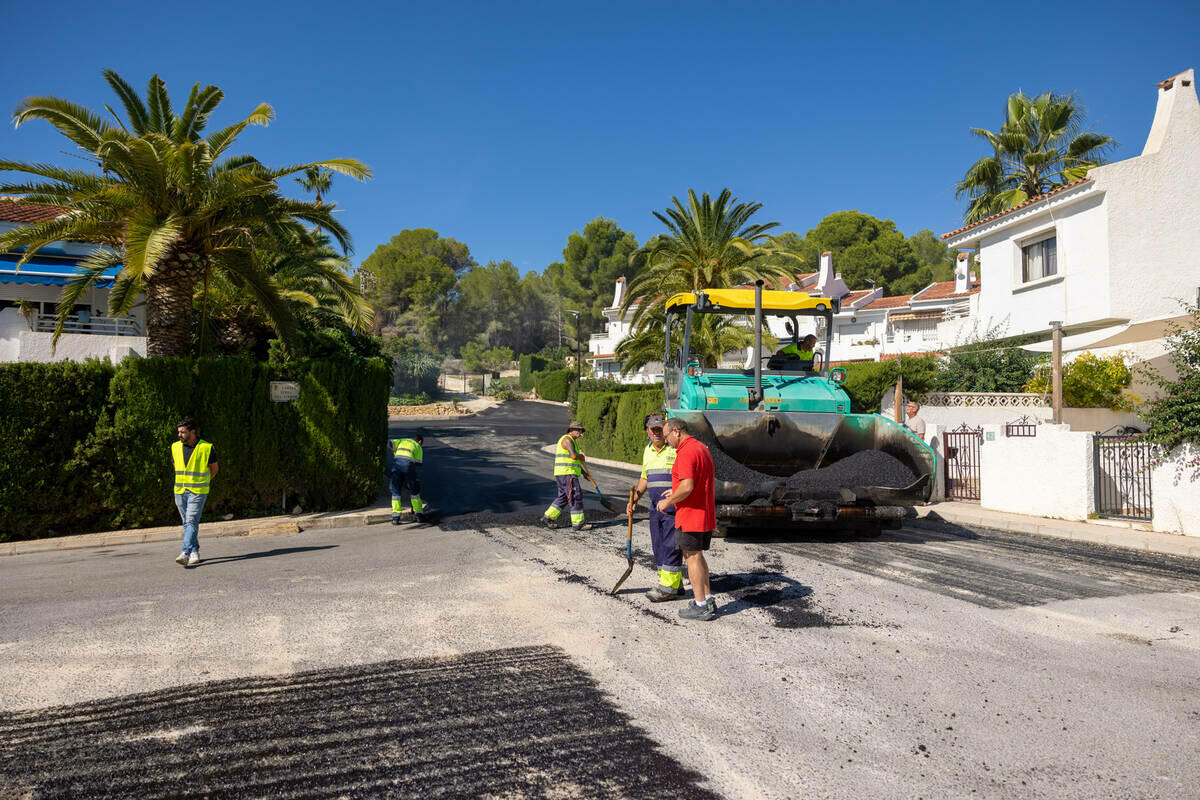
[15,210]
[1030,201]
[943,290]
[899,301]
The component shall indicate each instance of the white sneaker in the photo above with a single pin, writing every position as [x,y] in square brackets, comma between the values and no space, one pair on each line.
[193,559]
[182,558]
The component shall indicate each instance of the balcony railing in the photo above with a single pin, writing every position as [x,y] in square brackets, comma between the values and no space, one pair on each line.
[91,325]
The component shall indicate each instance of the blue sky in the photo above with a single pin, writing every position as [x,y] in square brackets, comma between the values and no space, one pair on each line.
[509,125]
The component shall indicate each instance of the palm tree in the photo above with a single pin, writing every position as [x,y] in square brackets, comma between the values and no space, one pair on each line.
[713,335]
[1042,145]
[313,285]
[316,180]
[168,203]
[710,245]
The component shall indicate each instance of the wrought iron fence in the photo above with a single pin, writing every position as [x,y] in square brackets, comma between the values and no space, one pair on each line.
[962,462]
[1122,466]
[1025,426]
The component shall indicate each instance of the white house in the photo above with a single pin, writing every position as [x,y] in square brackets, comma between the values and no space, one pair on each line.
[1110,256]
[29,301]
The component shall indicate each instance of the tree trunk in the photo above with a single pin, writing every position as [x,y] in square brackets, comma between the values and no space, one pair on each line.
[169,305]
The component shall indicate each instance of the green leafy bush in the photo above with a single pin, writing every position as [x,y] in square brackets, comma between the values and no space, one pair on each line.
[866,383]
[553,385]
[49,411]
[1089,381]
[614,422]
[1174,416]
[502,389]
[531,363]
[983,364]
[603,385]
[419,399]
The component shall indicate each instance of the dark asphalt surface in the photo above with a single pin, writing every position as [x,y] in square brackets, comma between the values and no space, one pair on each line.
[522,722]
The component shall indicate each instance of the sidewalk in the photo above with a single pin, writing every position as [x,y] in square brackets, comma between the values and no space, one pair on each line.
[258,526]
[1110,532]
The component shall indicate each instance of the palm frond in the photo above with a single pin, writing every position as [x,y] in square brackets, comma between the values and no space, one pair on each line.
[134,108]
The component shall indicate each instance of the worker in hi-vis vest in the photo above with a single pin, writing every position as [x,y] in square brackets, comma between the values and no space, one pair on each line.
[195,467]
[655,481]
[569,464]
[793,352]
[407,457]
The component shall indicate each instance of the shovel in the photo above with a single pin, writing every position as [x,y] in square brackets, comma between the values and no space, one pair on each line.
[628,544]
[607,502]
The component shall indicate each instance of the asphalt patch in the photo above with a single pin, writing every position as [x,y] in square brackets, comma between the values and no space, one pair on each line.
[520,722]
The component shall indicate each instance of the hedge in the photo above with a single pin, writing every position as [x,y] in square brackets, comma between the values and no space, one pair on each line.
[553,385]
[613,422]
[108,466]
[866,382]
[530,364]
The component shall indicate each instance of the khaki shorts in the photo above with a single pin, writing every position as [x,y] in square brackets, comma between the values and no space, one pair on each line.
[692,541]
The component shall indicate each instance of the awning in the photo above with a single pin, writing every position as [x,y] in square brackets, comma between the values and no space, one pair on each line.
[1113,336]
[47,270]
[931,314]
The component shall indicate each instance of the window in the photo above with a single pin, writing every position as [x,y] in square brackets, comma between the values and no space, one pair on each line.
[1039,260]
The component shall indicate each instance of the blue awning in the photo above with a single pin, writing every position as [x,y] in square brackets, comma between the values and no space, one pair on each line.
[47,270]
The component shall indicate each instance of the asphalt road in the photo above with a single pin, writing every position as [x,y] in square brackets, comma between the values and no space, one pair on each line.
[485,658]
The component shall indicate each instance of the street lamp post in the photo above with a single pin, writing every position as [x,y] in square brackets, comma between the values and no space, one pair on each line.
[578,350]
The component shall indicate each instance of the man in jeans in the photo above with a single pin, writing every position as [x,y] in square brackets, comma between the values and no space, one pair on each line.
[195,467]
[695,512]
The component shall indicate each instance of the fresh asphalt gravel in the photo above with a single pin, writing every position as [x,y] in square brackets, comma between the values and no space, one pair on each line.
[485,657]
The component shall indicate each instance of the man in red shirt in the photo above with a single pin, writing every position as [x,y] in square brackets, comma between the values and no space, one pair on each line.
[695,512]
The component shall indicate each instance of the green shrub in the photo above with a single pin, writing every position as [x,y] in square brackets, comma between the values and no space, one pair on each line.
[420,399]
[502,389]
[1089,381]
[867,382]
[1174,416]
[531,363]
[614,421]
[49,411]
[602,385]
[553,385]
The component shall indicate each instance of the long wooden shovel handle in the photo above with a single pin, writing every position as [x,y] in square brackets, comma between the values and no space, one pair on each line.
[629,534]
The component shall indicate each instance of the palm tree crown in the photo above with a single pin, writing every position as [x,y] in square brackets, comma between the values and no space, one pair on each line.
[1042,145]
[170,203]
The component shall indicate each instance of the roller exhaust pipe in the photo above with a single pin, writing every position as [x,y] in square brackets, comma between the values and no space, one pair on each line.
[756,399]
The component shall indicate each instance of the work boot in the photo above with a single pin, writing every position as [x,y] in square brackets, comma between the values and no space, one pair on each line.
[660,594]
[704,613]
[583,526]
[548,523]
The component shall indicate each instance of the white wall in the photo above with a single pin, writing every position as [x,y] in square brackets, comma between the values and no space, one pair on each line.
[1154,207]
[1175,488]
[78,347]
[1049,475]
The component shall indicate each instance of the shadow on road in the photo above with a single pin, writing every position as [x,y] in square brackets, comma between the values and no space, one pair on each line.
[278,551]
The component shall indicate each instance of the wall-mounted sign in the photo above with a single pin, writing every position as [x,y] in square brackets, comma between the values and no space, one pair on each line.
[284,391]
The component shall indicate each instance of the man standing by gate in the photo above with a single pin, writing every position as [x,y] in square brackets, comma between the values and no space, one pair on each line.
[407,457]
[657,459]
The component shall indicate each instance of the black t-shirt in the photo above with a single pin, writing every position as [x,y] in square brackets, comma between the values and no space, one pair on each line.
[187,453]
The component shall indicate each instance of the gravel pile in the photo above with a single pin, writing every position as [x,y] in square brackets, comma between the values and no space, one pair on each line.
[865,468]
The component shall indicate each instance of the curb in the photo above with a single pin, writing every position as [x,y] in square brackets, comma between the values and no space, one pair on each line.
[603,462]
[261,526]
[1113,536]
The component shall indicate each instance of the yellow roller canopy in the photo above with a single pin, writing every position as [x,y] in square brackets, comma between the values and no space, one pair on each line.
[743,300]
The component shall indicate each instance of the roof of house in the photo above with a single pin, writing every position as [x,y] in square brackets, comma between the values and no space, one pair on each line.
[899,301]
[944,290]
[13,209]
[855,296]
[1030,201]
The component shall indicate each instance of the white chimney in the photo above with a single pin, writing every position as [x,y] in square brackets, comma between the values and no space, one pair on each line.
[828,283]
[962,275]
[1176,103]
[619,294]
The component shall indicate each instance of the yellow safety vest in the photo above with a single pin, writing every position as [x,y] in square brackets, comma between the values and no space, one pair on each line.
[407,449]
[193,476]
[563,463]
[656,469]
